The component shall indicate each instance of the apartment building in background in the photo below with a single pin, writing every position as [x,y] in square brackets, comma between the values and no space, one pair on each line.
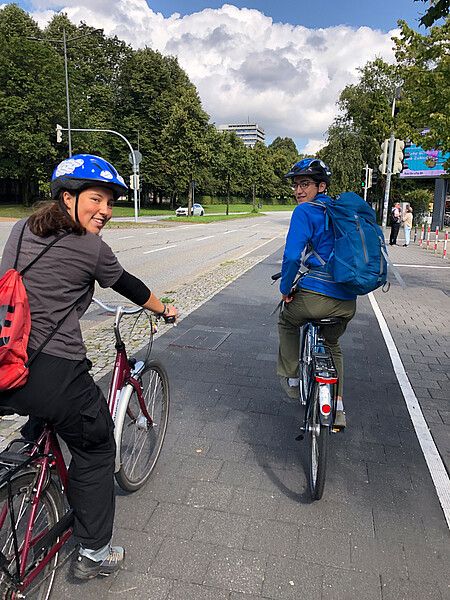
[250,133]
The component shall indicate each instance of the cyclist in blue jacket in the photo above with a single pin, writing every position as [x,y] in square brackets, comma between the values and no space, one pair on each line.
[317,295]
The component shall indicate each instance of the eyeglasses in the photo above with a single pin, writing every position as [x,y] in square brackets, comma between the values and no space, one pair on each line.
[303,184]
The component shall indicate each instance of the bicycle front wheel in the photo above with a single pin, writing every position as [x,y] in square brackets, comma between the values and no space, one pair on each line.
[49,511]
[319,438]
[141,440]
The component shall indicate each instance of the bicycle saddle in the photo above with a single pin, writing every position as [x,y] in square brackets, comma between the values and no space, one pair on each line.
[325,321]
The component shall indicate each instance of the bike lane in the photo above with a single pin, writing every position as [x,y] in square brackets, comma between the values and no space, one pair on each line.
[227,514]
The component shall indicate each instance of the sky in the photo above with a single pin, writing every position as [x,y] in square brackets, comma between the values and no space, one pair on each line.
[279,63]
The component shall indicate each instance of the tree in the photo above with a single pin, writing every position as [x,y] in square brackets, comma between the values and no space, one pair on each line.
[184,139]
[424,61]
[438,9]
[233,160]
[32,100]
[419,201]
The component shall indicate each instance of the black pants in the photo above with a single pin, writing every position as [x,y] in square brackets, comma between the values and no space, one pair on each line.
[62,392]
[394,233]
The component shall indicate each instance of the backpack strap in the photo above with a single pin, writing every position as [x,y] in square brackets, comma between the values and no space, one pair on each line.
[22,272]
[394,270]
[52,333]
[36,258]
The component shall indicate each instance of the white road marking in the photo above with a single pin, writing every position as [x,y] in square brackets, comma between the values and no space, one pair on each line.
[204,238]
[230,231]
[435,465]
[127,237]
[422,266]
[152,232]
[260,246]
[159,249]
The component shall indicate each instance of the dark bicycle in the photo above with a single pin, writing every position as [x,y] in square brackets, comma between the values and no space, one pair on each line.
[318,394]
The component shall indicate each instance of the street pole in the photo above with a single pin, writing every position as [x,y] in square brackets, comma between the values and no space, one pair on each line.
[366,182]
[397,95]
[64,42]
[135,165]
[67,92]
[388,180]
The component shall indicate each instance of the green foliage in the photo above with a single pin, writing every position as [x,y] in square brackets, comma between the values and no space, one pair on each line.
[438,9]
[419,200]
[425,64]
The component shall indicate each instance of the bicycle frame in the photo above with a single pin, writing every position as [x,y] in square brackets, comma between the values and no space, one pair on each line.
[323,374]
[45,454]
[123,381]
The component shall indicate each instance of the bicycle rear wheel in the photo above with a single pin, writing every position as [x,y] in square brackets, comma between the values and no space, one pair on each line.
[49,511]
[319,438]
[306,362]
[140,440]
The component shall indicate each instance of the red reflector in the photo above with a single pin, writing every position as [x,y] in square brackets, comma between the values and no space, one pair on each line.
[324,380]
[326,408]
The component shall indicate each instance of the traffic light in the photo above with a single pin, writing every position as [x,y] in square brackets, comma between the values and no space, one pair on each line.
[59,133]
[374,177]
[382,167]
[397,165]
[131,186]
[406,155]
[363,178]
[132,182]
[369,178]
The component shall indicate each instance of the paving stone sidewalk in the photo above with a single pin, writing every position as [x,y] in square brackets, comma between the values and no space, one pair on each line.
[419,321]
[227,515]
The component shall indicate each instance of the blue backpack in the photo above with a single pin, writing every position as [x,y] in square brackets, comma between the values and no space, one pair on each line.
[359,259]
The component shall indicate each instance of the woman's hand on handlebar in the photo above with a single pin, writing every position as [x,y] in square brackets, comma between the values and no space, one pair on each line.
[171,314]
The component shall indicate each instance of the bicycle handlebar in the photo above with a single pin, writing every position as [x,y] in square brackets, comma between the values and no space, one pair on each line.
[127,311]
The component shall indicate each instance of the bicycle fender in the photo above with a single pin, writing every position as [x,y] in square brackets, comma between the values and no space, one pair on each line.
[325,404]
[119,417]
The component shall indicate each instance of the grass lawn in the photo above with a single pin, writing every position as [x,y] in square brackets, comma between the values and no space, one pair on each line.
[211,218]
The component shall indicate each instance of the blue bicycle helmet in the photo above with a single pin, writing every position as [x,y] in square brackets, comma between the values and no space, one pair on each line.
[86,170]
[311,167]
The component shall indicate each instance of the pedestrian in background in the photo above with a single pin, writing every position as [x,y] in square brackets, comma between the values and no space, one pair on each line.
[407,220]
[396,219]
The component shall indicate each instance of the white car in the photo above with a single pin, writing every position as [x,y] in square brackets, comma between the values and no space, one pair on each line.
[196,210]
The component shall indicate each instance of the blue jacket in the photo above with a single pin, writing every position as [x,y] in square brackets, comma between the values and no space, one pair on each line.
[308,225]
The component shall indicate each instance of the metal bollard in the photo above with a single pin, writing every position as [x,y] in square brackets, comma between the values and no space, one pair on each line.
[415,233]
[421,235]
[436,241]
[445,245]
[428,236]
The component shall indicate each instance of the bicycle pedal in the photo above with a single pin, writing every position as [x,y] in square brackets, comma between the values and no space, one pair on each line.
[338,429]
[301,435]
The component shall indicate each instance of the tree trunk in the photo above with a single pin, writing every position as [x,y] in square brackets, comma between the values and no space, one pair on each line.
[190,196]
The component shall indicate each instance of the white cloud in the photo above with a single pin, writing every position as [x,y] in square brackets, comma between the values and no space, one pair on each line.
[285,78]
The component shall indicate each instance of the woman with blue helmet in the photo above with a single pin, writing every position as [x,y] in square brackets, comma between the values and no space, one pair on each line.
[59,388]
[317,295]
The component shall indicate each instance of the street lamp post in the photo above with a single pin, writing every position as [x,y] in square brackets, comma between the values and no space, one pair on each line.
[134,160]
[64,42]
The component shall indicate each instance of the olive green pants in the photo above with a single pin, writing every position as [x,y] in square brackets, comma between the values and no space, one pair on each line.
[309,305]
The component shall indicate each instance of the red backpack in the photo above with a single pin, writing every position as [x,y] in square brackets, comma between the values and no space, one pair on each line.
[15,323]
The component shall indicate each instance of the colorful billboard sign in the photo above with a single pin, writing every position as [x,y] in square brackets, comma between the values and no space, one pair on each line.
[423,163]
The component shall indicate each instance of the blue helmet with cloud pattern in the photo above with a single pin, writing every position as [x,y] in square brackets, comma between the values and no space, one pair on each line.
[82,171]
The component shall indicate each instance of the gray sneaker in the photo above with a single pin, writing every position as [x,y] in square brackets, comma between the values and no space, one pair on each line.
[86,568]
[291,390]
[340,421]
